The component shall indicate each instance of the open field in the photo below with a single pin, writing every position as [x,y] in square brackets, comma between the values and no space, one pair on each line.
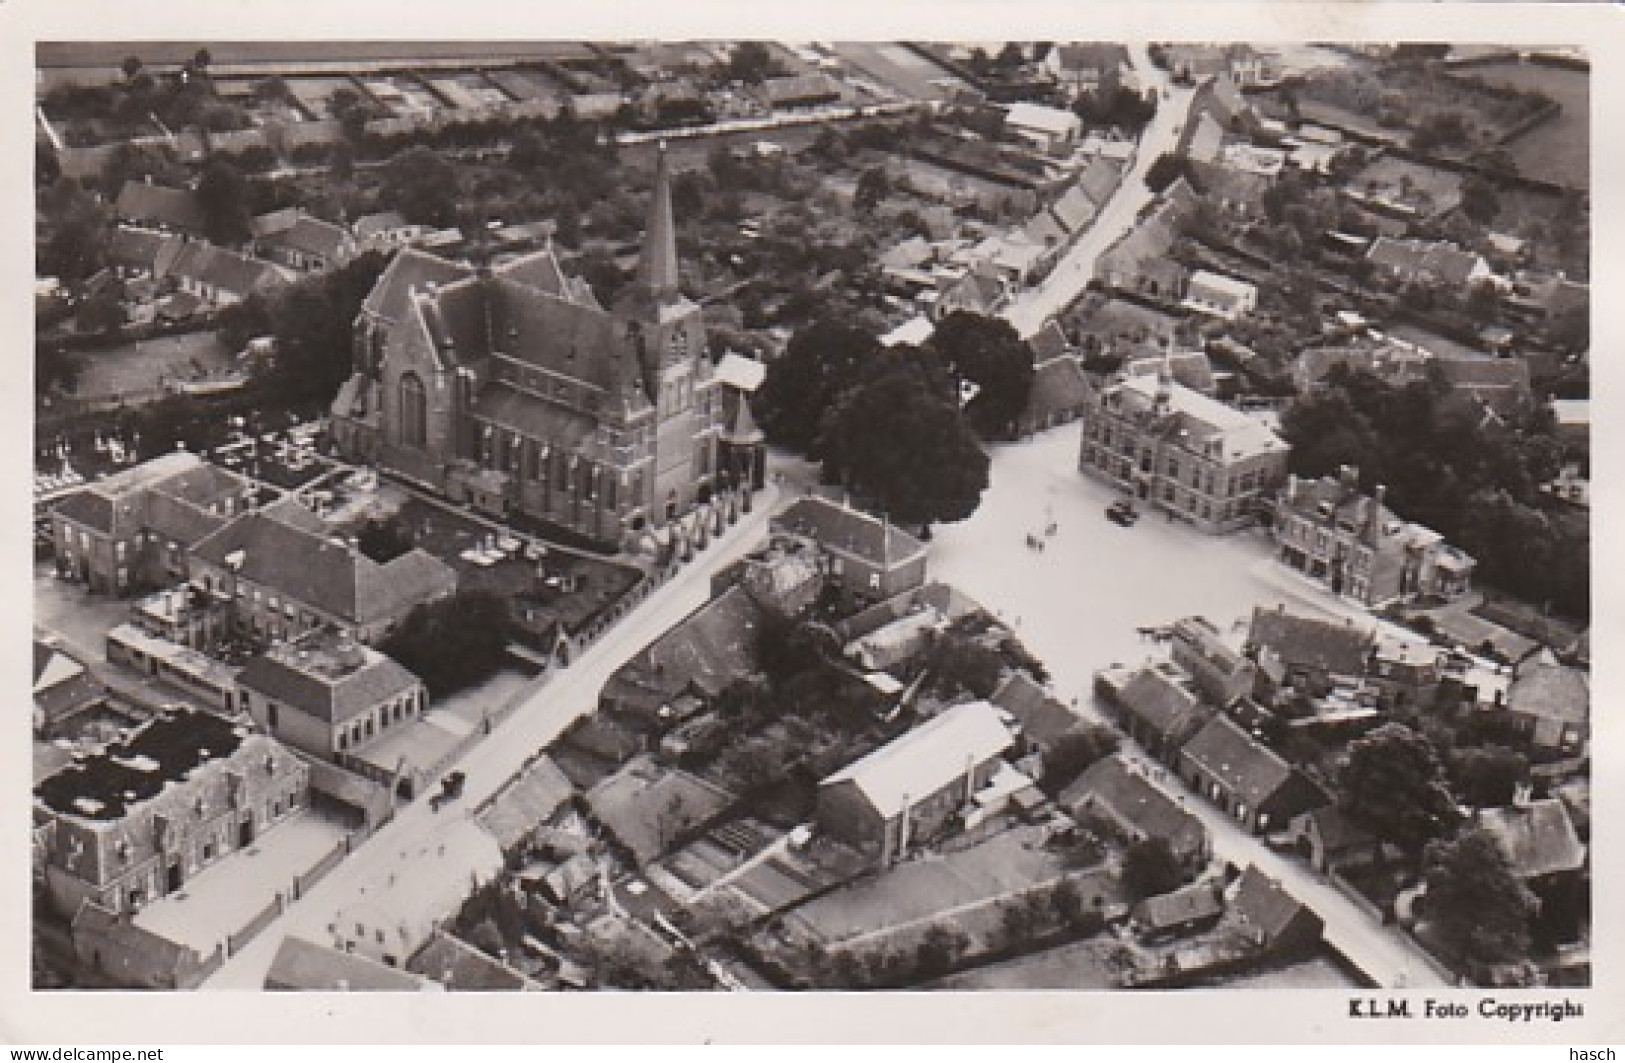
[1558,149]
[137,371]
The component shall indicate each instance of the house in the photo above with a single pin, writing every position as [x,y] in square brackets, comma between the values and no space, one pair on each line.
[219,277]
[1270,917]
[698,658]
[1330,841]
[741,446]
[1039,718]
[1245,778]
[1139,260]
[1306,653]
[979,290]
[1159,708]
[302,966]
[1394,362]
[796,91]
[647,808]
[1538,838]
[282,576]
[1181,451]
[63,689]
[176,210]
[1428,262]
[384,231]
[1221,673]
[1190,369]
[525,803]
[1551,704]
[897,642]
[1088,68]
[211,681]
[1202,138]
[1408,673]
[913,332]
[910,789]
[1045,128]
[453,964]
[1099,180]
[136,820]
[1114,790]
[508,387]
[1075,209]
[136,527]
[1188,910]
[1059,393]
[403,908]
[300,242]
[869,557]
[1499,384]
[1220,296]
[326,695]
[1330,531]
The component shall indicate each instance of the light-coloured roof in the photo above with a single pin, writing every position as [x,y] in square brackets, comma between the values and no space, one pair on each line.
[1242,434]
[1050,120]
[1237,289]
[915,330]
[737,371]
[926,759]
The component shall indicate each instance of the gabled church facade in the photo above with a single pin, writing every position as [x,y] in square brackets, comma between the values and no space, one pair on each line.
[512,389]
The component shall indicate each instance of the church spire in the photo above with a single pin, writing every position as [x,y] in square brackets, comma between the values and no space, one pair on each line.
[657,269]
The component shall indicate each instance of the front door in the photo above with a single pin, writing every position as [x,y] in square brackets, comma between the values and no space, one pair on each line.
[173,879]
[245,833]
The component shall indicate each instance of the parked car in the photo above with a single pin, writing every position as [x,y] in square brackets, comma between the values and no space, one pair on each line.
[1122,512]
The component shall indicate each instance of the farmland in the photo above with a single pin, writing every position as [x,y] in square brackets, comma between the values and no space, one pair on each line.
[1560,147]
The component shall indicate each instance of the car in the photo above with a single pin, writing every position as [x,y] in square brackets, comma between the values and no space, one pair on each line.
[1122,512]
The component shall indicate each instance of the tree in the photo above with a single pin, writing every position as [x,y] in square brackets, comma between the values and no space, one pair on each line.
[102,312]
[1074,751]
[1150,869]
[1488,776]
[384,540]
[55,367]
[939,948]
[131,67]
[895,438]
[311,322]
[1477,907]
[819,364]
[1164,170]
[422,185]
[988,353]
[1478,200]
[873,186]
[222,193]
[1393,784]
[960,664]
[341,162]
[453,643]
[751,62]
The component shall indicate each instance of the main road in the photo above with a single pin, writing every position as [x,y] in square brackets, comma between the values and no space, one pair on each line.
[1079,603]
[1030,309]
[565,696]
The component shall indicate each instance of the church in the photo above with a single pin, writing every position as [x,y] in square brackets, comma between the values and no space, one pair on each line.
[509,387]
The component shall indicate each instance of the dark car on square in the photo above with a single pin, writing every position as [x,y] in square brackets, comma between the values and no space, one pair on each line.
[1122,512]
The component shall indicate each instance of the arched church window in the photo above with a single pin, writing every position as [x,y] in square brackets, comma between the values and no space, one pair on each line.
[414,411]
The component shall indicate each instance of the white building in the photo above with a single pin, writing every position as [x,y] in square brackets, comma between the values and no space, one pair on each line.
[1219,295]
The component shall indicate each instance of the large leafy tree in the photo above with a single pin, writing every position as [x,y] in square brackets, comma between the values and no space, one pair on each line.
[988,353]
[1479,910]
[453,643]
[1075,751]
[1393,783]
[222,192]
[422,185]
[312,323]
[897,440]
[1488,776]
[818,365]
[1151,869]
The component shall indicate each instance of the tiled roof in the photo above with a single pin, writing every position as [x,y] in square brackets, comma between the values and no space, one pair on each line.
[839,527]
[1043,719]
[311,569]
[525,802]
[1197,901]
[1473,373]
[311,236]
[1048,342]
[1100,179]
[1132,799]
[1538,838]
[1191,369]
[1090,56]
[1075,209]
[134,247]
[1043,230]
[1550,690]
[1263,904]
[1058,385]
[1168,707]
[409,269]
[1337,832]
[924,760]
[301,966]
[226,270]
[712,647]
[175,208]
[1250,770]
[460,966]
[319,687]
[1421,259]
[1300,641]
[370,225]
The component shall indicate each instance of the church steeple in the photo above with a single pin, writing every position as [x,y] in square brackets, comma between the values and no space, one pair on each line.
[657,269]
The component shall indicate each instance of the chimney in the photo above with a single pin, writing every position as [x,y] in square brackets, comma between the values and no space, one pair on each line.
[1373,528]
[970,777]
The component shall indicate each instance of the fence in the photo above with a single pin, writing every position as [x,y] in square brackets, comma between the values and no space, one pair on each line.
[1360,900]
[303,882]
[250,930]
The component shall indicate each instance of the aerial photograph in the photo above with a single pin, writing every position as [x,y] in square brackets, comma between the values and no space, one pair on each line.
[764,516]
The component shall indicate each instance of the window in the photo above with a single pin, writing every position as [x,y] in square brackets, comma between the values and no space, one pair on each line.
[414,411]
[271,714]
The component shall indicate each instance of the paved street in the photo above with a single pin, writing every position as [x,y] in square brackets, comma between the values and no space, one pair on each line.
[565,696]
[1029,310]
[1077,604]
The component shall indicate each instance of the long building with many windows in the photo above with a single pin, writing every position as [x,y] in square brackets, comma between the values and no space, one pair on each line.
[1181,451]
